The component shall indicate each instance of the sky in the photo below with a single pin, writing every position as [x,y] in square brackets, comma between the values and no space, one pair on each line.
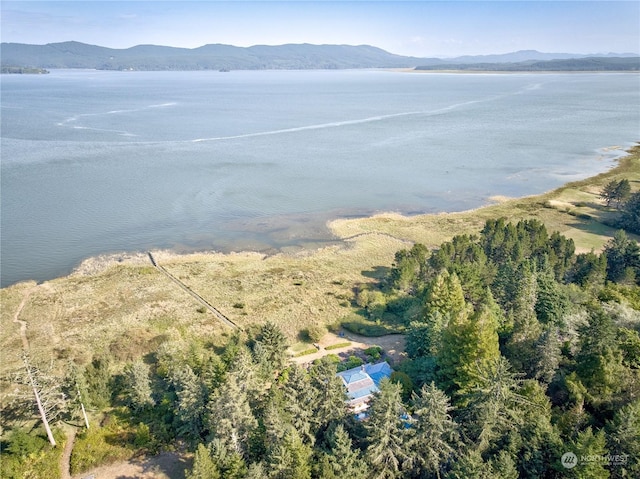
[416,28]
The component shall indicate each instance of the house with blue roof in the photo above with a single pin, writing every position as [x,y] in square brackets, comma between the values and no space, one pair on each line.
[363,382]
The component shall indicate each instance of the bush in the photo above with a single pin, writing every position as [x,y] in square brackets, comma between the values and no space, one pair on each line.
[352,362]
[98,446]
[374,352]
[316,332]
[339,345]
[364,328]
[305,352]
[30,455]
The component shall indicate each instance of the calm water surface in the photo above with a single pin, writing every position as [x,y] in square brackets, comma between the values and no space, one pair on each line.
[96,162]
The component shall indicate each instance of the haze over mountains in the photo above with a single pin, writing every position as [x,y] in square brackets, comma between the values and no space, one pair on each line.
[291,56]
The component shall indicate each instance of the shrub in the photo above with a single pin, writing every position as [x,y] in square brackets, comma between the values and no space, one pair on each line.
[374,352]
[30,455]
[98,446]
[305,352]
[352,362]
[316,332]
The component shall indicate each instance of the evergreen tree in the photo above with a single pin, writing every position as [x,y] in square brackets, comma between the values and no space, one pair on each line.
[623,258]
[548,355]
[274,343]
[470,465]
[435,434]
[468,345]
[608,192]
[228,461]
[191,398]
[230,418]
[386,432]
[98,381]
[599,361]
[342,460]
[445,296]
[630,219]
[137,385]
[552,302]
[408,268]
[622,192]
[623,440]
[494,405]
[418,339]
[520,347]
[203,465]
[329,395]
[299,402]
[588,270]
[444,302]
[591,445]
[290,457]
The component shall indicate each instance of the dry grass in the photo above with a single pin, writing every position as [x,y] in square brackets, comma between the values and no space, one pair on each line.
[124,307]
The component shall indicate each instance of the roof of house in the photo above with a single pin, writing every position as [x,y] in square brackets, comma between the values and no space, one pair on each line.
[364,380]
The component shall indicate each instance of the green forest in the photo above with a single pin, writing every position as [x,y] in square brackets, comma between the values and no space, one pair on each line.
[523,361]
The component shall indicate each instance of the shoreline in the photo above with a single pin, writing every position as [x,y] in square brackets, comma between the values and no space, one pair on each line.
[508,72]
[340,231]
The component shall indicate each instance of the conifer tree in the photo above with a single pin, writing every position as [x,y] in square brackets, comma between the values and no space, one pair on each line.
[386,432]
[191,398]
[444,303]
[230,418]
[623,258]
[328,391]
[274,344]
[435,434]
[495,404]
[590,445]
[138,385]
[468,344]
[290,458]
[623,433]
[299,402]
[342,460]
[203,465]
[228,461]
[520,347]
[599,362]
[548,354]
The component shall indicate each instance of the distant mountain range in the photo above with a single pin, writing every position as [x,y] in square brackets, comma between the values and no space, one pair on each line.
[259,57]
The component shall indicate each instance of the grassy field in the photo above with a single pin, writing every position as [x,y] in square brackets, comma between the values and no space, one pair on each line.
[124,307]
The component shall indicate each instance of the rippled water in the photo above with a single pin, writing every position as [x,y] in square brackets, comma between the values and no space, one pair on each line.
[96,162]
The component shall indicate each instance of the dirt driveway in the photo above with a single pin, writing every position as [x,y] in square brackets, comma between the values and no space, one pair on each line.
[167,465]
[391,344]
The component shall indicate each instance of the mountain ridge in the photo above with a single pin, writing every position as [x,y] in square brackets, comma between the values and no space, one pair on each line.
[216,56]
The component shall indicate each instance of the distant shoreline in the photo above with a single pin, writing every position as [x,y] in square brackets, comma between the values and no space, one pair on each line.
[510,72]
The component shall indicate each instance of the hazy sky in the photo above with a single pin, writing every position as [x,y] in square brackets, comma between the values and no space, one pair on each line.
[419,28]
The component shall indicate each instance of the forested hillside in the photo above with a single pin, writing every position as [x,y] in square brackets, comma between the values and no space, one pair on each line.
[519,352]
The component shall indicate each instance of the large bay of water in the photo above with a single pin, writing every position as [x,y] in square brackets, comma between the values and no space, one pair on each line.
[96,162]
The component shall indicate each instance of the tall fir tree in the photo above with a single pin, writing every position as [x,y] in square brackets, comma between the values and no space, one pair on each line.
[204,466]
[386,433]
[138,385]
[435,435]
[230,417]
[469,344]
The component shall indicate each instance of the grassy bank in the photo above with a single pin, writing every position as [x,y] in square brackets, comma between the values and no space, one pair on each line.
[125,309]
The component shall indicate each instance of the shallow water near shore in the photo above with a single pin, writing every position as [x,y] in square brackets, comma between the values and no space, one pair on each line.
[96,162]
